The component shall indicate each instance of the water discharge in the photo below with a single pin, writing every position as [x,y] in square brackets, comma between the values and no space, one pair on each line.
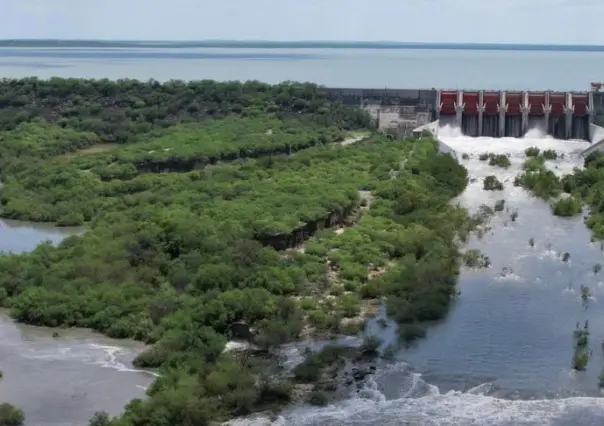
[502,357]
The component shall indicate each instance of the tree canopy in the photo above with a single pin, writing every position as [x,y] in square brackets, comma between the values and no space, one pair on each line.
[218,205]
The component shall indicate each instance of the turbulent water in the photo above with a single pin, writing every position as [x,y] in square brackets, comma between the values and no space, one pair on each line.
[503,355]
[62,381]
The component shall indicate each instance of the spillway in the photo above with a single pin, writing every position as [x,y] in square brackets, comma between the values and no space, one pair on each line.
[497,114]
[563,115]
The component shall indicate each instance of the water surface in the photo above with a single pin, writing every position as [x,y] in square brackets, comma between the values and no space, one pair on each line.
[403,68]
[62,381]
[17,236]
[502,356]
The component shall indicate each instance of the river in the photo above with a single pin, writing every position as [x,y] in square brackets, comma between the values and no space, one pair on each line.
[503,355]
[62,381]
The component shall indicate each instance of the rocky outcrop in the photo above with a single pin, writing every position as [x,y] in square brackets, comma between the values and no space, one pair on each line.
[183,165]
[241,330]
[306,230]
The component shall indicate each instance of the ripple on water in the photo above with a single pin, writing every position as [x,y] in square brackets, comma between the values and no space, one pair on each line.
[62,381]
[503,355]
[420,403]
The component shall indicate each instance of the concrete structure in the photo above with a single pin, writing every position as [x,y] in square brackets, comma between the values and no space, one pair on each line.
[564,115]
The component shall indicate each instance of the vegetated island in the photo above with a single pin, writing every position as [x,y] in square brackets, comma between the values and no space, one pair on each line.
[217,212]
[570,192]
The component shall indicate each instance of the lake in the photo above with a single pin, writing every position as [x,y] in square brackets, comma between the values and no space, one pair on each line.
[414,69]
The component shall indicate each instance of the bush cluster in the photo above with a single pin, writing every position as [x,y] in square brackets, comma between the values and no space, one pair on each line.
[187,258]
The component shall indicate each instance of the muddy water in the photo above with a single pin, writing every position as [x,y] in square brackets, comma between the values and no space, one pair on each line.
[62,381]
[502,356]
[17,236]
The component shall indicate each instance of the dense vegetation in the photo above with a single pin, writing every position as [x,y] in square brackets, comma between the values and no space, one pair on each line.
[582,187]
[587,185]
[538,179]
[242,244]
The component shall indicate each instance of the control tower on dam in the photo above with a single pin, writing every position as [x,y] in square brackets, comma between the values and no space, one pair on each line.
[564,115]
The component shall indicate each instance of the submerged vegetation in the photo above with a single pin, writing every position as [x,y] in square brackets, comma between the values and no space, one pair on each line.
[547,154]
[499,160]
[581,348]
[474,258]
[491,183]
[219,211]
[11,415]
[567,206]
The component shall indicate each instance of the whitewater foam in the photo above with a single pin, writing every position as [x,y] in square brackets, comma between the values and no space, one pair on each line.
[105,356]
[418,402]
[473,407]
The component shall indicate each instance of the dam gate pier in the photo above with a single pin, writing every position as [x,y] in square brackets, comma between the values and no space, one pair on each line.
[563,115]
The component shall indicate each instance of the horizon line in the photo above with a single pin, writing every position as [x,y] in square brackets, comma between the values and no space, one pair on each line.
[257,43]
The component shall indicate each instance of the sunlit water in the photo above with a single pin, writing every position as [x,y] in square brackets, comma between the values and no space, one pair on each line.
[503,354]
[62,380]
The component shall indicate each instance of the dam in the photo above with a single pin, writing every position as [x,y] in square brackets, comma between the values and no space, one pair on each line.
[563,115]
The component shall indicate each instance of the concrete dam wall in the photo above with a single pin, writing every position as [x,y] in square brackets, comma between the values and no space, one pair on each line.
[564,115]
[511,114]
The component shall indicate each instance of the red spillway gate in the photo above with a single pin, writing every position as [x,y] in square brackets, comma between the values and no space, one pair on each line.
[470,101]
[448,99]
[557,102]
[565,115]
[491,102]
[581,104]
[514,103]
[536,103]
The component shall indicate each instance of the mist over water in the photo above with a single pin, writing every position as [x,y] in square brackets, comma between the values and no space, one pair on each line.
[503,355]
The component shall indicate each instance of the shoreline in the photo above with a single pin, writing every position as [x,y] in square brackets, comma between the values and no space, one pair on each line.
[310,44]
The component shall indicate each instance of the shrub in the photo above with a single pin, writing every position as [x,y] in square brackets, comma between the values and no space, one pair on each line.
[500,160]
[11,415]
[408,333]
[567,206]
[580,361]
[491,183]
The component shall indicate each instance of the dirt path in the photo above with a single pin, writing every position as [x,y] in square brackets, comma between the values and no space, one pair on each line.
[354,138]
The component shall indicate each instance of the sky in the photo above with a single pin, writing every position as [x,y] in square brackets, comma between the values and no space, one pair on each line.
[480,21]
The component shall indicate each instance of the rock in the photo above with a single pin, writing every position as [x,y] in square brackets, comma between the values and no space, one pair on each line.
[242,330]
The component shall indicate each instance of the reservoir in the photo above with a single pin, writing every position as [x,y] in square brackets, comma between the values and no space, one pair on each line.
[357,68]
